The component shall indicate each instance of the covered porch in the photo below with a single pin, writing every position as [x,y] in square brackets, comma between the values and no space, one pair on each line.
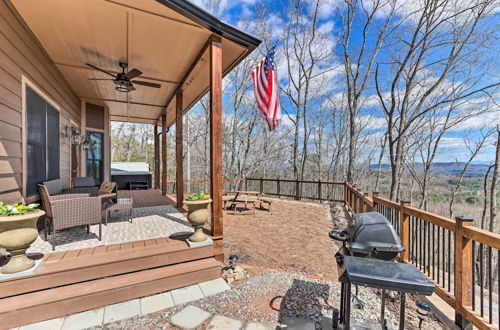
[182,53]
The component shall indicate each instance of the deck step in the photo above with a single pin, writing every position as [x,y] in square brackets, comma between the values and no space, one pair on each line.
[61,301]
[64,268]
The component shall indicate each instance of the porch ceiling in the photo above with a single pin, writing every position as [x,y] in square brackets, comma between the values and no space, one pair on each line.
[161,38]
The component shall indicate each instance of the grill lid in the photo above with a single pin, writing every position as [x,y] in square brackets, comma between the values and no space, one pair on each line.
[371,234]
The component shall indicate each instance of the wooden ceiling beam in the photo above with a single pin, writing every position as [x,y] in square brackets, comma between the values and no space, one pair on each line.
[119,101]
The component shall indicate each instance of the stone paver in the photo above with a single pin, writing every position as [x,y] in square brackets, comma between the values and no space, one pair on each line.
[190,317]
[213,287]
[261,326]
[156,303]
[122,311]
[187,294]
[54,324]
[84,320]
[219,322]
[292,323]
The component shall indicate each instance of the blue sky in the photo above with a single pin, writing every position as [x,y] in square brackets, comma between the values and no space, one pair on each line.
[239,13]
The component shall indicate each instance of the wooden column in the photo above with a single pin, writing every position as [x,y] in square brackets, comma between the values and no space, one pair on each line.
[365,203]
[216,135]
[164,154]
[404,230]
[156,159]
[463,271]
[179,172]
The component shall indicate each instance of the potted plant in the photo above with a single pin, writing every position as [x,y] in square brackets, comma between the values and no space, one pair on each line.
[17,232]
[198,215]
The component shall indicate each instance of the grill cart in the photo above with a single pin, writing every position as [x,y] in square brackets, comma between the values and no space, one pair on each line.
[369,246]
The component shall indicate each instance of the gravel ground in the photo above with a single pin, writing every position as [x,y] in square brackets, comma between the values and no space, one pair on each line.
[270,296]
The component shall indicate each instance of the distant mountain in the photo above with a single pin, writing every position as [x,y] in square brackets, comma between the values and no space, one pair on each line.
[446,167]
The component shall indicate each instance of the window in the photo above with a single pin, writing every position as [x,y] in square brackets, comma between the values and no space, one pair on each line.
[95,156]
[42,125]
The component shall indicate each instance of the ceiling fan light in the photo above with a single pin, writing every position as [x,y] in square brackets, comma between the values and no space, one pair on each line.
[122,86]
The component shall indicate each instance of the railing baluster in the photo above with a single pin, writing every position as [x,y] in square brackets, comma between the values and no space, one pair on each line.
[473,275]
[481,274]
[449,261]
[490,285]
[438,251]
[433,251]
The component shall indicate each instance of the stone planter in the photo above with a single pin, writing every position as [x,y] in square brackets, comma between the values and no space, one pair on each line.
[197,216]
[17,232]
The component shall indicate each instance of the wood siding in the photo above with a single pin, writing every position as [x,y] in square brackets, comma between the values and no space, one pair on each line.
[21,55]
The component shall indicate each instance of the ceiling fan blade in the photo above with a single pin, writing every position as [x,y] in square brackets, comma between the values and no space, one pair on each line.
[145,83]
[133,73]
[100,79]
[99,69]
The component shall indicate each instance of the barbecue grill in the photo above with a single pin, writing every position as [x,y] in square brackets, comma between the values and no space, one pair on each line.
[369,235]
[369,244]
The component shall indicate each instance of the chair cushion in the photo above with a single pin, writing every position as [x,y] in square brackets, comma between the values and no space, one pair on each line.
[54,186]
[106,188]
[84,182]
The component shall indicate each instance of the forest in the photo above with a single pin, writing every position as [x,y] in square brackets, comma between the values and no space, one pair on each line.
[372,92]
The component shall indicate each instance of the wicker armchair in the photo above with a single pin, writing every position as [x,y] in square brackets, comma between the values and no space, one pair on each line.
[70,210]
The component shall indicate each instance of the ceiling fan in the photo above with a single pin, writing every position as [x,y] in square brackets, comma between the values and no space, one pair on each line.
[122,80]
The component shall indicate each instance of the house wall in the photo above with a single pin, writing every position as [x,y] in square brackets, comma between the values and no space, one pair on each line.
[22,59]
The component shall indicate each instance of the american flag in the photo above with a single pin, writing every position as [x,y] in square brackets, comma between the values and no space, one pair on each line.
[265,83]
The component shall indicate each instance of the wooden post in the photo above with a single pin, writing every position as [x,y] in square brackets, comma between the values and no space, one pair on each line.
[319,189]
[360,200]
[463,271]
[261,186]
[365,204]
[179,157]
[375,196]
[164,154]
[297,193]
[346,194]
[404,230]
[216,135]
[353,199]
[156,159]
[246,183]
[278,193]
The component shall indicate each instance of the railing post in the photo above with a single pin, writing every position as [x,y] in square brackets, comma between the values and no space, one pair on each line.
[278,187]
[319,189]
[353,199]
[360,200]
[375,195]
[463,271]
[346,193]
[365,204]
[297,187]
[246,184]
[404,229]
[261,186]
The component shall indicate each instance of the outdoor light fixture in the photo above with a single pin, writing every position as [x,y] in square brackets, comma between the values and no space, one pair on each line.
[233,260]
[123,86]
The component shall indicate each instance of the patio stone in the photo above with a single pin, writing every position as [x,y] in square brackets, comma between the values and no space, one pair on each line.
[223,323]
[261,326]
[121,311]
[187,294]
[293,323]
[214,287]
[54,324]
[84,320]
[190,317]
[156,303]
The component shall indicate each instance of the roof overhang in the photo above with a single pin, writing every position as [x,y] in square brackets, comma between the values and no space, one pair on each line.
[163,38]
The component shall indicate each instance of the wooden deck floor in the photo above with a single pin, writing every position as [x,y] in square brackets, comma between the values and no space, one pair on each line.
[75,281]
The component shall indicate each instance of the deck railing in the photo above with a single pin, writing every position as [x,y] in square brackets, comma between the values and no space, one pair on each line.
[462,260]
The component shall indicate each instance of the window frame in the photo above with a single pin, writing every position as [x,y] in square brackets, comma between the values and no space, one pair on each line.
[25,82]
